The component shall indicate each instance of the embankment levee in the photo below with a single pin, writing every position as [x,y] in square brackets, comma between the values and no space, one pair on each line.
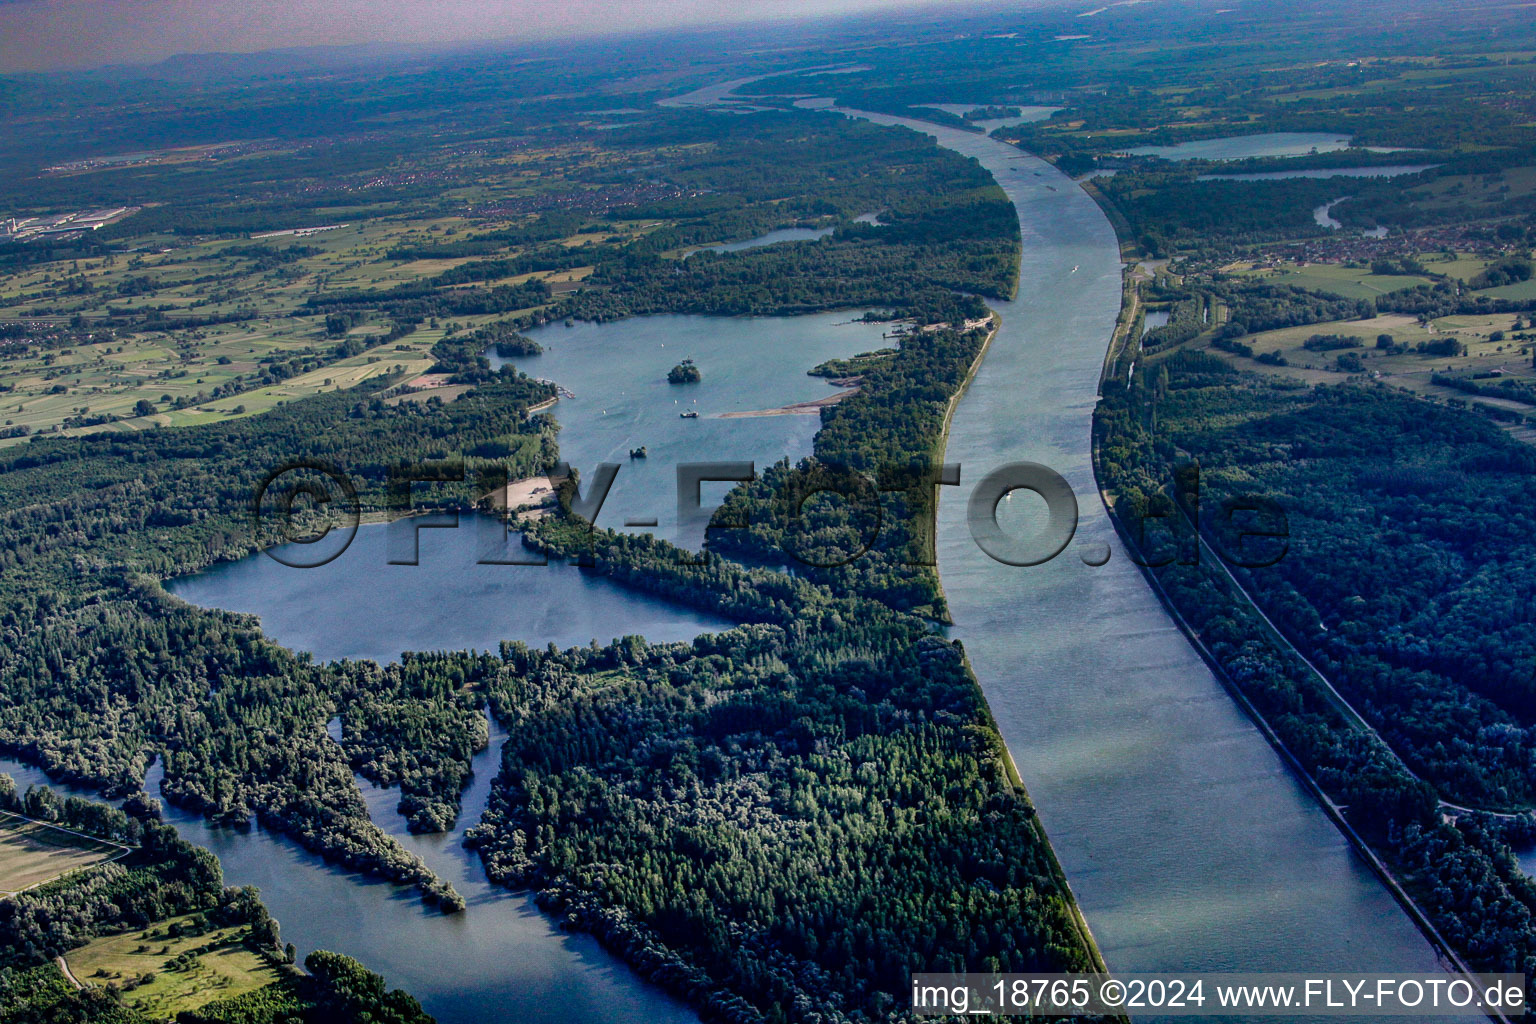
[942,445]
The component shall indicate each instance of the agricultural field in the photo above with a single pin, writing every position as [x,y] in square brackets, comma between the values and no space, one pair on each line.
[269,274]
[34,852]
[1523,291]
[1334,279]
[104,380]
[173,965]
[1463,267]
[186,327]
[1474,331]
[85,385]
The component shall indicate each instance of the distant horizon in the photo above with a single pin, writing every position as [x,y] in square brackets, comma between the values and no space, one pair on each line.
[47,36]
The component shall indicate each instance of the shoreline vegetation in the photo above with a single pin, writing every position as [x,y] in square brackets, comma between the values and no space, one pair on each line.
[810,407]
[784,820]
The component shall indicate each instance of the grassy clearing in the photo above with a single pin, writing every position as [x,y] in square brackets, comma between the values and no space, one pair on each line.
[1473,331]
[217,965]
[107,379]
[110,378]
[1464,267]
[1523,290]
[33,852]
[98,385]
[1410,371]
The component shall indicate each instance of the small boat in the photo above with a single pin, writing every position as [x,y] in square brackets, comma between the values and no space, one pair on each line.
[638,453]
[691,414]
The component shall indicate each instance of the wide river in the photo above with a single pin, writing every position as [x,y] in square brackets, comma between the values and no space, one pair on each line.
[1187,842]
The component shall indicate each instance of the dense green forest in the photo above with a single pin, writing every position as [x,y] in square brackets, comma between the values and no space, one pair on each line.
[833,742]
[781,821]
[943,223]
[860,515]
[1186,75]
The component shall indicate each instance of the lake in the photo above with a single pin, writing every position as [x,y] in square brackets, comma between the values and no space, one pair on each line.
[502,959]
[771,238]
[618,372]
[360,606]
[1323,217]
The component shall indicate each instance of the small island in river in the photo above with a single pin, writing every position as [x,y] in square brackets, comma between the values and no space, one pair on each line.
[684,372]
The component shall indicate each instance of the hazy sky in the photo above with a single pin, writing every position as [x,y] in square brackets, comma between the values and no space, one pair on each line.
[42,34]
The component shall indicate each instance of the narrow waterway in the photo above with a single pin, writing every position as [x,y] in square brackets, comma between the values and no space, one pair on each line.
[1188,843]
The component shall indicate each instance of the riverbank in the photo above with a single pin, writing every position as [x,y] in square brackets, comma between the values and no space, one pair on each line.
[940,449]
[1016,781]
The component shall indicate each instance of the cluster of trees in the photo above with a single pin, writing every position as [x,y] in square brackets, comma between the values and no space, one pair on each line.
[1188,317]
[783,820]
[1254,307]
[163,877]
[859,515]
[943,222]
[89,816]
[416,724]
[685,372]
[508,343]
[335,988]
[1445,297]
[1511,270]
[166,878]
[1172,210]
[1331,342]
[432,298]
[1514,389]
